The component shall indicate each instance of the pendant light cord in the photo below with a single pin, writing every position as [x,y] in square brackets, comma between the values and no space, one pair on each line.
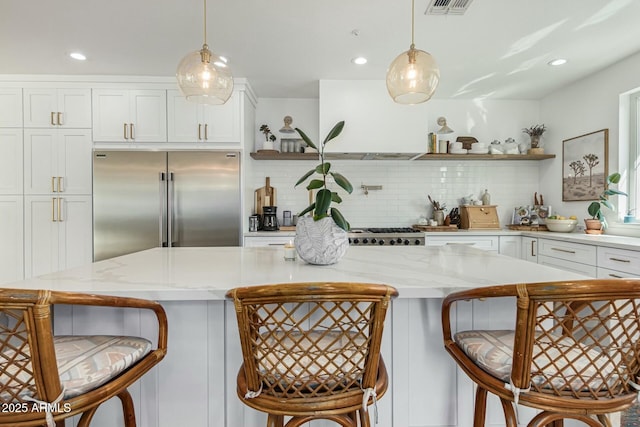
[205,21]
[412,22]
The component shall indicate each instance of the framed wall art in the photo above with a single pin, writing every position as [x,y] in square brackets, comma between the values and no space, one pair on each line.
[584,166]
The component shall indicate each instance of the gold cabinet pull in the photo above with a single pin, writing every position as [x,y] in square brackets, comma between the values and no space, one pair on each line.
[53,184]
[563,250]
[125,131]
[620,259]
[53,209]
[60,202]
[60,187]
[206,132]
[131,131]
[199,132]
[532,248]
[53,123]
[59,118]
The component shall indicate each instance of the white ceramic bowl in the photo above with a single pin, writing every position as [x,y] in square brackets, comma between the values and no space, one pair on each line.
[561,225]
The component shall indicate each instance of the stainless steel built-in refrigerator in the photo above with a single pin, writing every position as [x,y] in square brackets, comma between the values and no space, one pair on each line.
[147,199]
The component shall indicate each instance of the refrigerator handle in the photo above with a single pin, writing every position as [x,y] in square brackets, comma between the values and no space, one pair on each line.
[163,211]
[170,185]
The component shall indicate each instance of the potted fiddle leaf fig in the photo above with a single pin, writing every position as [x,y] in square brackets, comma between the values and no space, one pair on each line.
[598,222]
[321,237]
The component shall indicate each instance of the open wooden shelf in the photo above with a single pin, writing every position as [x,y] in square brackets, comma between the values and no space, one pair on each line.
[486,157]
[275,155]
[270,155]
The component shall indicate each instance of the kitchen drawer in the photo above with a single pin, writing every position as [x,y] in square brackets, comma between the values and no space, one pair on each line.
[605,273]
[251,241]
[575,252]
[622,260]
[487,243]
[574,267]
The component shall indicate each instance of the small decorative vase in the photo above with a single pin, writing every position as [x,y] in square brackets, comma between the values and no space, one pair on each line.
[439,217]
[535,141]
[320,242]
[593,226]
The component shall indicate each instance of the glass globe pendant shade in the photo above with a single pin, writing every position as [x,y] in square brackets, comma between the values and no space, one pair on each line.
[203,77]
[412,77]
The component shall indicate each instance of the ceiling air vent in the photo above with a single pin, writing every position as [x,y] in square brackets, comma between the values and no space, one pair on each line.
[447,7]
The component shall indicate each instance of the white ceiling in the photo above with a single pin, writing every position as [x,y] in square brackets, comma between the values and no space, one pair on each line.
[499,48]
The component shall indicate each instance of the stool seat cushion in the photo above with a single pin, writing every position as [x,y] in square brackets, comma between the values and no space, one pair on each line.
[558,362]
[87,362]
[84,363]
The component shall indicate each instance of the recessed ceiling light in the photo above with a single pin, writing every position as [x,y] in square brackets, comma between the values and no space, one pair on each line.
[78,56]
[559,61]
[360,60]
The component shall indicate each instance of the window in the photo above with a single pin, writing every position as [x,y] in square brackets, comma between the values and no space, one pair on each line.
[634,153]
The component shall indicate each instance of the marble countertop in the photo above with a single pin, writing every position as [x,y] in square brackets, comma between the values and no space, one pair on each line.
[175,274]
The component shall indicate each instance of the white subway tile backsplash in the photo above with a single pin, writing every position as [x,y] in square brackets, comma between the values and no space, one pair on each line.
[405,186]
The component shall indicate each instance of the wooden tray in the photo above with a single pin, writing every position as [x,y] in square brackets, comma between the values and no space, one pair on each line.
[435,227]
[287,228]
[540,227]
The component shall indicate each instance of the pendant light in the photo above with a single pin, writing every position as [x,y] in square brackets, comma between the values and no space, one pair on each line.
[413,76]
[203,76]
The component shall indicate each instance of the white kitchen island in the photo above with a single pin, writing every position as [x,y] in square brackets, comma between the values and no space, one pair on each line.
[195,384]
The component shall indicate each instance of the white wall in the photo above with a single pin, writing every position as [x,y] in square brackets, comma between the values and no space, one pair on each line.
[406,185]
[585,106]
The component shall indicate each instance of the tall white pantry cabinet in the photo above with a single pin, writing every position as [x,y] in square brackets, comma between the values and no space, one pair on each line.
[11,195]
[45,180]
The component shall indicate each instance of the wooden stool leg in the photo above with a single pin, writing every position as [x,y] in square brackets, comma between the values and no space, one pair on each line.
[365,421]
[128,410]
[481,407]
[275,420]
[509,413]
[86,417]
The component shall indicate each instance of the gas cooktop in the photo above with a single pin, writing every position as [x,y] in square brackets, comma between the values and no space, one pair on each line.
[393,236]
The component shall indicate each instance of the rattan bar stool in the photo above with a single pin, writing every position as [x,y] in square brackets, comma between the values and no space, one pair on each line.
[573,353]
[312,350]
[45,379]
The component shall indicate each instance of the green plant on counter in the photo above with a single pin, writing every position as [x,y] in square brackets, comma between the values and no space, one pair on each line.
[321,208]
[595,208]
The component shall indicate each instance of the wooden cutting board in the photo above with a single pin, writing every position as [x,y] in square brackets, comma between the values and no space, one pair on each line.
[265,196]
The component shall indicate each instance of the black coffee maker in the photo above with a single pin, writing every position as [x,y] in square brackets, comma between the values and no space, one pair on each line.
[269,218]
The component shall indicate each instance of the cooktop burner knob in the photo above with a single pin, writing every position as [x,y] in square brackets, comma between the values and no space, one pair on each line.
[365,240]
[399,240]
[356,241]
[381,242]
[417,242]
[373,240]
[406,241]
[392,242]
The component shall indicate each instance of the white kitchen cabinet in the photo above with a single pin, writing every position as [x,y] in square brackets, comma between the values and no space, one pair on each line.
[254,241]
[57,234]
[605,273]
[575,257]
[487,243]
[57,108]
[191,122]
[510,246]
[10,107]
[529,249]
[11,149]
[129,115]
[620,260]
[57,161]
[373,122]
[11,234]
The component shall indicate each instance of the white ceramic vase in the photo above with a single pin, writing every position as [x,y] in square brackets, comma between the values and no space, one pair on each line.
[320,242]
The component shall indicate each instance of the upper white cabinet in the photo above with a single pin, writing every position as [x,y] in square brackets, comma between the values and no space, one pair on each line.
[57,161]
[129,115]
[54,108]
[373,122]
[191,122]
[11,161]
[10,108]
